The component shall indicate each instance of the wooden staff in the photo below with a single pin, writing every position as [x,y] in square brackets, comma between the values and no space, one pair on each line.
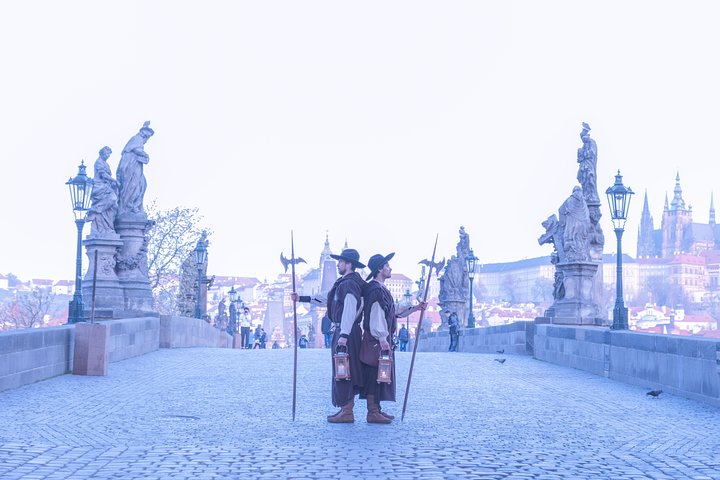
[295,326]
[417,332]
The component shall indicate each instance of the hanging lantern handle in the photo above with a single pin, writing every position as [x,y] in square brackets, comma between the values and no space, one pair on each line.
[338,347]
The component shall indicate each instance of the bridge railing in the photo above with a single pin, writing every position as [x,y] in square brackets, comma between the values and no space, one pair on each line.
[31,355]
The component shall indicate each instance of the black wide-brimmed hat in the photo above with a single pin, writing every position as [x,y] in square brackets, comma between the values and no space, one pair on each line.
[350,255]
[377,262]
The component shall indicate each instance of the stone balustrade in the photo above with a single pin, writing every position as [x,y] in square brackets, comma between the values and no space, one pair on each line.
[28,356]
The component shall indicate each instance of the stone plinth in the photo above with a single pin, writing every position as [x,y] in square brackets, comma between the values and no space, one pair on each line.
[92,347]
[131,264]
[578,306]
[236,341]
[460,306]
[109,294]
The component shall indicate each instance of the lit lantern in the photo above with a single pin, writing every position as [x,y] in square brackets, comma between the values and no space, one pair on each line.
[342,364]
[384,368]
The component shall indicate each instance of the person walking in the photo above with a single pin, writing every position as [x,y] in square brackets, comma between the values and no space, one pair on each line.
[344,305]
[245,322]
[327,330]
[454,328]
[263,338]
[403,338]
[379,324]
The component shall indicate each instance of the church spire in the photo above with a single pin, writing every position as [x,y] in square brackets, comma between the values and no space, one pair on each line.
[326,250]
[677,202]
[345,247]
[666,208]
[646,243]
[712,209]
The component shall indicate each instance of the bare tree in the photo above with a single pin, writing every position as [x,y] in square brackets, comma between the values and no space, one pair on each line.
[508,289]
[171,239]
[28,309]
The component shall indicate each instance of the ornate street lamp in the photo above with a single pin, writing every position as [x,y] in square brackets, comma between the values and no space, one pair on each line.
[619,199]
[471,265]
[80,190]
[200,258]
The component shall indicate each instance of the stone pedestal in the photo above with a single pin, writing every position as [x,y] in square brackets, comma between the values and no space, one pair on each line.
[92,348]
[131,265]
[109,295]
[236,341]
[459,306]
[578,306]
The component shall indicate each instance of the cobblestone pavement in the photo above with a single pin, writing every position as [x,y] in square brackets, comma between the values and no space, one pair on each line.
[218,413]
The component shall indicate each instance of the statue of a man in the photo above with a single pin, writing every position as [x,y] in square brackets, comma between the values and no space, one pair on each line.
[576,236]
[587,168]
[130,172]
[104,196]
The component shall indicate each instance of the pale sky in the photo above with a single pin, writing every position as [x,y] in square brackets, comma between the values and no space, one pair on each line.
[380,122]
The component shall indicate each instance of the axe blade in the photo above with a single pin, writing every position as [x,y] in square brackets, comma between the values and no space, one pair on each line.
[285,262]
[433,265]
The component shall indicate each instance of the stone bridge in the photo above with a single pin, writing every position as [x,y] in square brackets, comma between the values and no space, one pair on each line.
[206,413]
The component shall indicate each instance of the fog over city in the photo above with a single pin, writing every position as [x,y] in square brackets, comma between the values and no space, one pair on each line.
[380,123]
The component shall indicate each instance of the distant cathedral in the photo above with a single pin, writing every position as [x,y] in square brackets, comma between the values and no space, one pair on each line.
[678,234]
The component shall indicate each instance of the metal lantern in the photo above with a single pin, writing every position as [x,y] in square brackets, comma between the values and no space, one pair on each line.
[80,192]
[341,360]
[471,261]
[619,199]
[200,253]
[233,294]
[385,368]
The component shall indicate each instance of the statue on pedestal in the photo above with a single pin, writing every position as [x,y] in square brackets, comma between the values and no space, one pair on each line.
[575,216]
[455,284]
[130,174]
[104,197]
[587,169]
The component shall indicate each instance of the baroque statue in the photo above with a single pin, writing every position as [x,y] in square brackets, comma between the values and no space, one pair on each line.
[574,214]
[587,168]
[104,197]
[130,174]
[570,232]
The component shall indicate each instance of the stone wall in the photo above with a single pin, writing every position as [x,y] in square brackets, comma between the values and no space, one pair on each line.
[684,366]
[178,332]
[584,348]
[515,338]
[131,337]
[28,356]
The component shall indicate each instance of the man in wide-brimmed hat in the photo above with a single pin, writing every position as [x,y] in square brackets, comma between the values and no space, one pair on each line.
[379,324]
[344,304]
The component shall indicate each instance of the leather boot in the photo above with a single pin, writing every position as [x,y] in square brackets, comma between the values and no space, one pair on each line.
[345,415]
[374,415]
[385,414]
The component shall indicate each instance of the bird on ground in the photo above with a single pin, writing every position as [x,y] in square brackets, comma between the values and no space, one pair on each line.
[500,351]
[500,360]
[654,393]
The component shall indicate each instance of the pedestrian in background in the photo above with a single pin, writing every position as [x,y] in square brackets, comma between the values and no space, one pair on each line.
[403,338]
[326,327]
[245,322]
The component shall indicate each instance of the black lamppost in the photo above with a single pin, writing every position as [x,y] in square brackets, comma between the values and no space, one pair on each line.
[200,258]
[471,264]
[619,199]
[80,191]
[408,302]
